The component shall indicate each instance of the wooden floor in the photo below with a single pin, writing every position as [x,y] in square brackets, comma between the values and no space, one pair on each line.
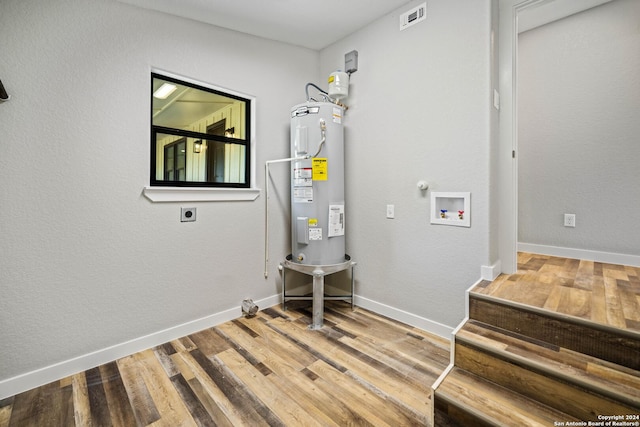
[607,294]
[360,369]
[556,343]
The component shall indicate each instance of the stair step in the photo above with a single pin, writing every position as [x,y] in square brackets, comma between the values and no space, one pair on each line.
[467,399]
[621,347]
[578,384]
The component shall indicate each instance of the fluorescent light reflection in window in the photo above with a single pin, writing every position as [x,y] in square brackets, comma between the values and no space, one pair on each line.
[164,91]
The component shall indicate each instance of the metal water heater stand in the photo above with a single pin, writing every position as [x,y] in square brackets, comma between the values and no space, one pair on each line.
[318,272]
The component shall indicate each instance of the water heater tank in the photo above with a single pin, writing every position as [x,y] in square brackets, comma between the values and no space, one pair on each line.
[317,184]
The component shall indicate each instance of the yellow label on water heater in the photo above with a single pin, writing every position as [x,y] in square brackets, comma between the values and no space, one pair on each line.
[313,222]
[319,166]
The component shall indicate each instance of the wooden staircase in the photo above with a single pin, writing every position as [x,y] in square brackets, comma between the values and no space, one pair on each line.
[518,365]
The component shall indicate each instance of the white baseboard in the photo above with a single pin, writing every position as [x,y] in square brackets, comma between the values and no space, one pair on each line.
[435,328]
[39,377]
[490,272]
[466,300]
[606,257]
[29,380]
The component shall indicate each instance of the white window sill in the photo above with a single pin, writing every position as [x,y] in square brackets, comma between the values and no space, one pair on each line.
[197,194]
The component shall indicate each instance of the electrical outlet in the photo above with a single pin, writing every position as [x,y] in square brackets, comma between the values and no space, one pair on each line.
[391,211]
[187,214]
[569,220]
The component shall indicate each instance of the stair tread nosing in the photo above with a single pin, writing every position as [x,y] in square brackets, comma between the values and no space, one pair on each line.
[493,403]
[611,380]
[620,346]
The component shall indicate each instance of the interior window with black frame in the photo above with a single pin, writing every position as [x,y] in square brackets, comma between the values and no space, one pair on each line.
[200,136]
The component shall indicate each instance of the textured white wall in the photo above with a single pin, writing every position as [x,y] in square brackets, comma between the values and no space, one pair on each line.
[579,121]
[86,261]
[419,108]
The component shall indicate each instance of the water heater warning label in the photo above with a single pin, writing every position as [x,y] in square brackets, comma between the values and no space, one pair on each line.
[337,115]
[303,195]
[336,220]
[302,177]
[302,185]
[319,169]
[315,234]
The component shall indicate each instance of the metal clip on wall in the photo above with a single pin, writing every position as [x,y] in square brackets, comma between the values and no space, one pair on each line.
[3,93]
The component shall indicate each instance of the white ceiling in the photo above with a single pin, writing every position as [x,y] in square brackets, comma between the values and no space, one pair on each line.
[314,24]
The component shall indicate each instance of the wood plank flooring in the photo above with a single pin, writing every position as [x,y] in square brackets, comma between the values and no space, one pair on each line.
[604,293]
[360,369]
[556,342]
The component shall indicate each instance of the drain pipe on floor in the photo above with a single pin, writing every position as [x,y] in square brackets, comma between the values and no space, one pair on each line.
[266,206]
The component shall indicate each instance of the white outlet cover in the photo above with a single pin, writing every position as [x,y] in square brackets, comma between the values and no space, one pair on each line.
[569,220]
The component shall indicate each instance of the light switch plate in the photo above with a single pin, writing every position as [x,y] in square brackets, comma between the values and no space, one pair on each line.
[391,211]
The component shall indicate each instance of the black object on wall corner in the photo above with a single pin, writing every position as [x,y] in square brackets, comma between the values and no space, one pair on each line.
[3,93]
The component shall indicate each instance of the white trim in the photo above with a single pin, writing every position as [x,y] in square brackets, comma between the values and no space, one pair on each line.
[589,255]
[39,377]
[435,386]
[441,378]
[211,194]
[510,12]
[466,302]
[29,380]
[490,272]
[411,319]
[507,172]
[197,194]
[550,11]
[452,352]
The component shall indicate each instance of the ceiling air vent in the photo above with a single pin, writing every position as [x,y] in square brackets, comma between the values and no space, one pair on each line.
[413,16]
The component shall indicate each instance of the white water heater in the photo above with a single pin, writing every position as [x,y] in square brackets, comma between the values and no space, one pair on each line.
[317,184]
